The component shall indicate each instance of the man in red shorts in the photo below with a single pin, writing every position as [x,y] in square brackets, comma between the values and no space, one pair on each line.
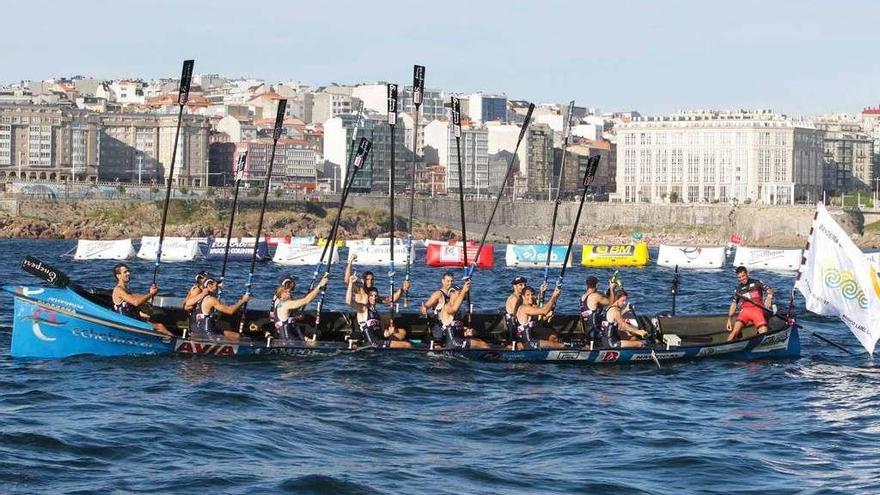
[749,295]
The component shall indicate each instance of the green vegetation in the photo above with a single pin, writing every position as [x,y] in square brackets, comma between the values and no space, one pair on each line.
[873,227]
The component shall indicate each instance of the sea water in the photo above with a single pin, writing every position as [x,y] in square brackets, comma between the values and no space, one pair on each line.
[377,423]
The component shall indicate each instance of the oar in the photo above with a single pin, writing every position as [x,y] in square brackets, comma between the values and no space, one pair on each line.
[418,93]
[276,135]
[456,131]
[239,174]
[45,272]
[392,121]
[522,133]
[566,133]
[346,181]
[360,158]
[589,174]
[182,97]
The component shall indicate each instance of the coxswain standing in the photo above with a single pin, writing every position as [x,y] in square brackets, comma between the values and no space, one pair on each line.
[748,295]
[128,304]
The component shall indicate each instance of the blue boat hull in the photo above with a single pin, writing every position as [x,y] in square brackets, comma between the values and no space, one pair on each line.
[56,323]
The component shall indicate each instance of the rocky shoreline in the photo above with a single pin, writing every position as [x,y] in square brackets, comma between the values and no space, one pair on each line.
[119,219]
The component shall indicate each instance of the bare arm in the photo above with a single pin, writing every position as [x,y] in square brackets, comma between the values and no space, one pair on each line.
[623,325]
[305,300]
[349,295]
[214,303]
[512,303]
[544,310]
[192,298]
[399,292]
[431,302]
[133,299]
[452,306]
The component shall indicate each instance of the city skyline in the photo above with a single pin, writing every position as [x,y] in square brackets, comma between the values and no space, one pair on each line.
[797,58]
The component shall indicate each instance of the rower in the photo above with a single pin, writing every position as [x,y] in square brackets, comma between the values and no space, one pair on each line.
[593,306]
[128,304]
[287,282]
[286,310]
[455,334]
[204,324]
[749,295]
[369,280]
[431,307]
[195,292]
[616,332]
[370,321]
[514,300]
[526,320]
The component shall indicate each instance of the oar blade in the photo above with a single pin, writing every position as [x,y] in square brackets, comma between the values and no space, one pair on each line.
[45,272]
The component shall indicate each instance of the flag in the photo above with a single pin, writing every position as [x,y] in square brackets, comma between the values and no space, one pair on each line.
[837,279]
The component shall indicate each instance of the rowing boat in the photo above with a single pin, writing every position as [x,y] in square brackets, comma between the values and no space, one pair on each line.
[57,322]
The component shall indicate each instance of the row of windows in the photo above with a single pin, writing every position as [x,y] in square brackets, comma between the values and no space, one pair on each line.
[705,138]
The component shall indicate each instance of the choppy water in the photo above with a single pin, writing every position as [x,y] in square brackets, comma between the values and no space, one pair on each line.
[410,424]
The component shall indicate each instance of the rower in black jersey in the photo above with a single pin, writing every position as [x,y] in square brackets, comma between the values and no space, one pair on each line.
[204,321]
[455,334]
[431,307]
[514,300]
[370,321]
[128,304]
[526,319]
[286,310]
[593,307]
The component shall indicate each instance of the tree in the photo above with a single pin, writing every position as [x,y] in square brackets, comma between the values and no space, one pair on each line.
[279,192]
[673,197]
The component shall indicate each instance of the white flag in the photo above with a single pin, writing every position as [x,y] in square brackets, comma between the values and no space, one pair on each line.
[838,280]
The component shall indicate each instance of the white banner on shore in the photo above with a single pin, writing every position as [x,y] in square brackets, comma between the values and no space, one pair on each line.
[838,280]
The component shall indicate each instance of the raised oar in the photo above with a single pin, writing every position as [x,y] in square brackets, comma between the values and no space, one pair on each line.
[522,133]
[456,131]
[566,133]
[360,158]
[239,174]
[418,93]
[182,98]
[348,178]
[276,135]
[589,174]
[392,121]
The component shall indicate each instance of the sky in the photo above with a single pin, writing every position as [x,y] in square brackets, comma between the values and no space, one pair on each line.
[800,57]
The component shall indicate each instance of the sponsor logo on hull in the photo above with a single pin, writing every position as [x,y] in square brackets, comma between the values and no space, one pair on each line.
[773,342]
[661,356]
[207,348]
[722,349]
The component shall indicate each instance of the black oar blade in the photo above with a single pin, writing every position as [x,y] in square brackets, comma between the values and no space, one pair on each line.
[185,82]
[279,119]
[363,151]
[44,272]
[418,84]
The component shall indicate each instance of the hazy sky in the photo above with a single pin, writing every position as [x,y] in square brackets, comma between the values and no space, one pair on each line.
[795,56]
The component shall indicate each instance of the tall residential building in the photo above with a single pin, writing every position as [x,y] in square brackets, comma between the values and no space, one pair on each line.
[434,104]
[538,169]
[487,108]
[139,148]
[849,155]
[376,173]
[719,156]
[319,107]
[440,148]
[48,142]
[294,166]
[578,155]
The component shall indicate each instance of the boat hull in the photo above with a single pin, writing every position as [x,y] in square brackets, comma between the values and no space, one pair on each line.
[57,323]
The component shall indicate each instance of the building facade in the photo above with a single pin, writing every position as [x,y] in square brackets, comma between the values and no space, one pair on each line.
[47,142]
[849,155]
[440,149]
[375,175]
[718,156]
[140,148]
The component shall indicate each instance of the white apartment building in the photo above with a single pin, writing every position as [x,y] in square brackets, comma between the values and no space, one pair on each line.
[719,156]
[440,148]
